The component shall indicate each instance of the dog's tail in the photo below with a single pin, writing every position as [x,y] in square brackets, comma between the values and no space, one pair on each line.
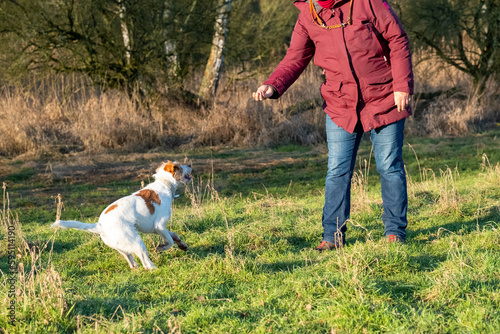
[94,228]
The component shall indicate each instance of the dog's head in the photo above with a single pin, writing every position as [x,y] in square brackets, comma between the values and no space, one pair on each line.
[172,171]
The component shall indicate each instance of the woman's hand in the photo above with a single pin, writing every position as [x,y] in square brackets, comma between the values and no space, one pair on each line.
[264,92]
[402,100]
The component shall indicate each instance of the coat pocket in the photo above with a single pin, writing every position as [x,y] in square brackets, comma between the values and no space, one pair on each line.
[336,101]
[361,29]
[333,86]
[377,87]
[378,80]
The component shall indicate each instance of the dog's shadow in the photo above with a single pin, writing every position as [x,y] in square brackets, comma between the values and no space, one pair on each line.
[63,246]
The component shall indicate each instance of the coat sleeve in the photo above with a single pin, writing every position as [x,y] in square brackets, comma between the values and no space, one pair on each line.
[389,25]
[297,57]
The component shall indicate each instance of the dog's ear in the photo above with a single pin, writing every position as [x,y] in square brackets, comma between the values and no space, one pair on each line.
[173,169]
[169,167]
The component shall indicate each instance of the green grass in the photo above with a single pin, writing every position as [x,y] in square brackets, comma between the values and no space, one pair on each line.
[251,226]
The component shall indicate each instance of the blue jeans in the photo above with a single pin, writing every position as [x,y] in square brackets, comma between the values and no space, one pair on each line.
[387,142]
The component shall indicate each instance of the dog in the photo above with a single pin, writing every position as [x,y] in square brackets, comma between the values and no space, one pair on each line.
[147,210]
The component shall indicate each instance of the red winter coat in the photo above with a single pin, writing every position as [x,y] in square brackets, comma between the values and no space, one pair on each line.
[362,70]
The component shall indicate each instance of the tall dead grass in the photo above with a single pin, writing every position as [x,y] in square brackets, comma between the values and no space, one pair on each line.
[65,114]
[445,102]
[38,287]
[456,116]
[236,119]
[55,118]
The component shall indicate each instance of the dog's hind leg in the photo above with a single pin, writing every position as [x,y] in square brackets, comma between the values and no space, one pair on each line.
[130,259]
[178,241]
[126,255]
[142,254]
[127,241]
[146,261]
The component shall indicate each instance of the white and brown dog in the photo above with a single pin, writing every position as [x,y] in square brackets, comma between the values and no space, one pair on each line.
[146,210]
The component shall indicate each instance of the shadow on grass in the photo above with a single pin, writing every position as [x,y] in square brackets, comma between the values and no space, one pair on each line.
[301,243]
[283,266]
[63,246]
[138,297]
[459,227]
[214,311]
[396,290]
[257,180]
[428,262]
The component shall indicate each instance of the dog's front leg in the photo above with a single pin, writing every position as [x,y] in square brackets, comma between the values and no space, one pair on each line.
[178,241]
[165,234]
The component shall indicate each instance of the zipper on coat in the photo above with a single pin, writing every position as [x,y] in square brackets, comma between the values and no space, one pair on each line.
[377,36]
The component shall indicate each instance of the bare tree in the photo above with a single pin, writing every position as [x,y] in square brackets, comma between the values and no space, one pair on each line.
[464,34]
[213,69]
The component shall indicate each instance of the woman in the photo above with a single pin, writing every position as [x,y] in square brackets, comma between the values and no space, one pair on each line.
[365,54]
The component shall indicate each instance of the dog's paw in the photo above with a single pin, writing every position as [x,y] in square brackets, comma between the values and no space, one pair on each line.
[56,224]
[163,247]
[183,246]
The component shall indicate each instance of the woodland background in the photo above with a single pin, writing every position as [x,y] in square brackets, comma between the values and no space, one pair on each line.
[137,75]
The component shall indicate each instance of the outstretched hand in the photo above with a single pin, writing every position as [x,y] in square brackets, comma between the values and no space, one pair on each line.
[402,100]
[264,92]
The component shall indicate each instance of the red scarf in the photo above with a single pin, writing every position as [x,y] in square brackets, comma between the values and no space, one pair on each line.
[325,3]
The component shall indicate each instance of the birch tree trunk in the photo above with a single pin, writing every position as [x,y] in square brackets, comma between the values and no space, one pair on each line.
[170,49]
[125,33]
[171,52]
[213,69]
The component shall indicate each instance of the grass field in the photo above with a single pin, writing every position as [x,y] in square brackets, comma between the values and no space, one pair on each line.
[252,218]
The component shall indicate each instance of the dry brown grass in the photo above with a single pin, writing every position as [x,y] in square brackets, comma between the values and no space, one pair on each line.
[361,201]
[456,116]
[38,286]
[65,114]
[445,103]
[55,118]
[238,120]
